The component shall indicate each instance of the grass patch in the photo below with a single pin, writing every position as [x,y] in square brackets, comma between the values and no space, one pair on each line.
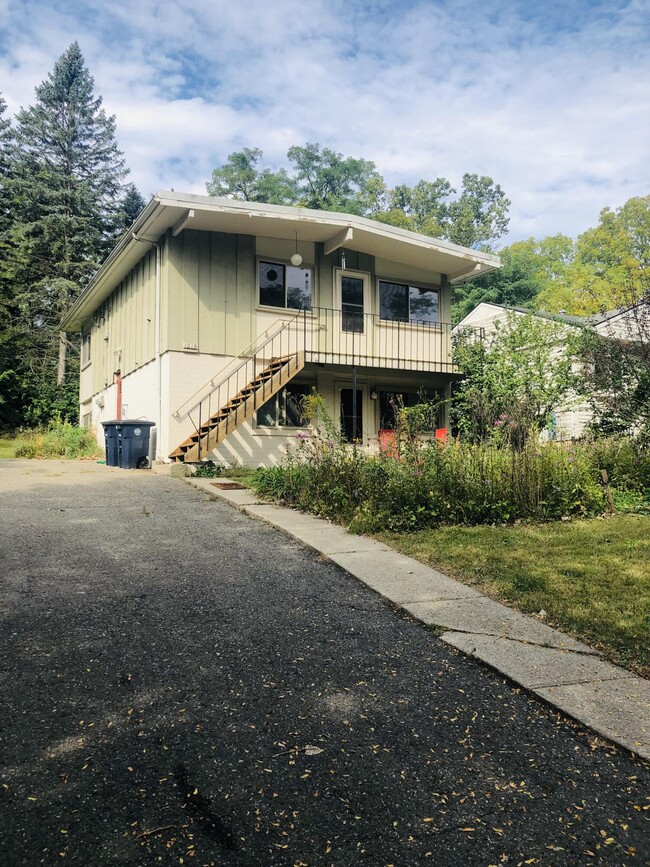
[591,577]
[7,448]
[239,473]
[58,440]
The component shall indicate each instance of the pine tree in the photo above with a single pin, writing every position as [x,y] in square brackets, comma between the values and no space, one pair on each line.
[6,135]
[8,382]
[66,184]
[130,207]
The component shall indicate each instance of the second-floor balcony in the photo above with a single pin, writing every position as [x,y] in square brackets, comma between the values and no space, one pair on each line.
[340,337]
[324,336]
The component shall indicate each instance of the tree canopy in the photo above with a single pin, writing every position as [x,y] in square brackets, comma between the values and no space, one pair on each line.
[323,179]
[64,203]
[606,268]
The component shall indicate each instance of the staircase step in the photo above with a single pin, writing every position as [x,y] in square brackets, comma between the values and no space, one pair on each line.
[276,366]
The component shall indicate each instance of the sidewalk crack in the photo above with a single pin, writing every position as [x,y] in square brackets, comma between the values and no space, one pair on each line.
[590,652]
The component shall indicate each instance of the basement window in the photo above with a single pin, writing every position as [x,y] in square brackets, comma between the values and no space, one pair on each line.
[285,286]
[284,409]
[401,302]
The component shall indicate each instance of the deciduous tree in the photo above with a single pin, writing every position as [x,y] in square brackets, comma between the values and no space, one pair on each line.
[513,378]
[323,179]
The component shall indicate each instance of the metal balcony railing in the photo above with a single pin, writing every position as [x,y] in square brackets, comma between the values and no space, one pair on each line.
[365,339]
[329,336]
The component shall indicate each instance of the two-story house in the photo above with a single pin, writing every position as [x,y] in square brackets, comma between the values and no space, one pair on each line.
[212,317]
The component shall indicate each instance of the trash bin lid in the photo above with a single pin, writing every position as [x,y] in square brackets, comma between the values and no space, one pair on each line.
[133,422]
[136,422]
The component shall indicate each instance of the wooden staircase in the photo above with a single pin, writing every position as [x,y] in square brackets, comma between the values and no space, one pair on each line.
[239,408]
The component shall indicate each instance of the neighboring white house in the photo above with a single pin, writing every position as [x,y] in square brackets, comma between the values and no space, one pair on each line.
[212,317]
[570,418]
[627,323]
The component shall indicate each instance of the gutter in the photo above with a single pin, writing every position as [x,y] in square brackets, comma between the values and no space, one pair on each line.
[133,233]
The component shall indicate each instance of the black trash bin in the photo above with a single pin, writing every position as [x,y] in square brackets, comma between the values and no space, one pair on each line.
[112,442]
[132,438]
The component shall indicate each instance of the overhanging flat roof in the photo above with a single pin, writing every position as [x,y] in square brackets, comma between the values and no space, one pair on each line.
[179,211]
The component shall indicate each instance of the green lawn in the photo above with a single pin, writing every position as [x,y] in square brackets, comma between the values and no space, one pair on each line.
[592,577]
[7,448]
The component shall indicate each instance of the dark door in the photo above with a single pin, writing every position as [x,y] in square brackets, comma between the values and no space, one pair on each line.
[351,416]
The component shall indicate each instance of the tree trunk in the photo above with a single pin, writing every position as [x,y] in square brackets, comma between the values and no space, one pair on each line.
[60,375]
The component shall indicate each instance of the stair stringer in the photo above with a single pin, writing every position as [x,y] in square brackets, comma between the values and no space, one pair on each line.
[245,410]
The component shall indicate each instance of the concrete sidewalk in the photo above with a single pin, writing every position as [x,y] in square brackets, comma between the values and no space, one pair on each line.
[562,671]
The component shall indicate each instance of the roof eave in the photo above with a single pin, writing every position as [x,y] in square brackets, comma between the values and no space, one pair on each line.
[170,210]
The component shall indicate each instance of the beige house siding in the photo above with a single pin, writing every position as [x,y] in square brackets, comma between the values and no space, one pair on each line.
[208,290]
[122,330]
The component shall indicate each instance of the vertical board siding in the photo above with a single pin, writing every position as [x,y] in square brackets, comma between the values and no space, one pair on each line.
[325,266]
[210,289]
[123,327]
[246,290]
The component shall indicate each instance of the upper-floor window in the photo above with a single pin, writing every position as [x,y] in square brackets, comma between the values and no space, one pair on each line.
[285,286]
[85,348]
[402,302]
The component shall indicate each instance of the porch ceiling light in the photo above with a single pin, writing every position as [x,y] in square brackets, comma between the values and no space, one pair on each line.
[296,259]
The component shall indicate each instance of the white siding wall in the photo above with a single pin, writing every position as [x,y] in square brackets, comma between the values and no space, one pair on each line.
[139,399]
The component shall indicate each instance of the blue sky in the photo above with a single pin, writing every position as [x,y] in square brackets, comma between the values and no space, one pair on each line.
[551,99]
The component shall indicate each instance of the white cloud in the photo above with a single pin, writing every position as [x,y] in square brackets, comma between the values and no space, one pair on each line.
[553,107]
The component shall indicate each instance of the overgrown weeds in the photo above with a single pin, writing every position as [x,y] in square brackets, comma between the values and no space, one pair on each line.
[626,460]
[426,485]
[453,484]
[59,439]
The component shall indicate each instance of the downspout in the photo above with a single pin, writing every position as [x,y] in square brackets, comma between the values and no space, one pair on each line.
[117,379]
[158,356]
[157,333]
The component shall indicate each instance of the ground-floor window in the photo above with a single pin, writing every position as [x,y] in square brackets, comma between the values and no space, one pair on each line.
[285,409]
[391,402]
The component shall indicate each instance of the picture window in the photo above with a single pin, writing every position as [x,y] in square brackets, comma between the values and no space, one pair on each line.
[285,286]
[285,409]
[401,302]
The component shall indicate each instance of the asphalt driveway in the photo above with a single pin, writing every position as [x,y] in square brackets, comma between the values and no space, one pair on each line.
[184,685]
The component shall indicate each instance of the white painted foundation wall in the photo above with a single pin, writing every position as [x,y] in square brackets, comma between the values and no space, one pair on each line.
[184,378]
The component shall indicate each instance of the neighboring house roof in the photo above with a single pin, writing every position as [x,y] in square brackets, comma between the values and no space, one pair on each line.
[489,311]
[637,317]
[178,211]
[481,312]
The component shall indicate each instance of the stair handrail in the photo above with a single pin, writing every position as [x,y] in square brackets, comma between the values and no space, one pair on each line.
[225,374]
[241,359]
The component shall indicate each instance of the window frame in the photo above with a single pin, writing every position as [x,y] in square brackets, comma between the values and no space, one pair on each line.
[421,396]
[409,284]
[277,426]
[305,266]
[86,348]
